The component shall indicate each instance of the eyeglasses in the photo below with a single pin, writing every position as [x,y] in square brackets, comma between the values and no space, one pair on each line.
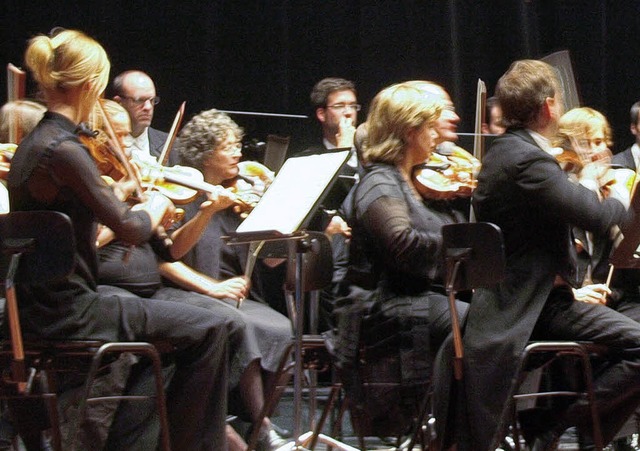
[448,107]
[345,106]
[138,101]
[232,148]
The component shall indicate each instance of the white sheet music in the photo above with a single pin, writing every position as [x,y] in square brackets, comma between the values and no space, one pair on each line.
[294,193]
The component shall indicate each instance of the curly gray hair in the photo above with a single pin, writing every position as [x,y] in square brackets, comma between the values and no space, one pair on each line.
[204,133]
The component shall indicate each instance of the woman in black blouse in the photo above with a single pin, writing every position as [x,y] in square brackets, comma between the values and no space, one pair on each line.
[392,298]
[52,170]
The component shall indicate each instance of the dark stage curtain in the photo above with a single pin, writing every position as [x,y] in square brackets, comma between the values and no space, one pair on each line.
[266,55]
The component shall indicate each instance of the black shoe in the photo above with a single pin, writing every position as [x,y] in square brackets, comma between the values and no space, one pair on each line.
[541,428]
[548,441]
[535,422]
[270,441]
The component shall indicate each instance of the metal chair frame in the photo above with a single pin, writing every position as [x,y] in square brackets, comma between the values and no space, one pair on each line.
[41,247]
[579,352]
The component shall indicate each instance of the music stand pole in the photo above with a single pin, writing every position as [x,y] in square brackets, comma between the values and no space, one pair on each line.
[299,325]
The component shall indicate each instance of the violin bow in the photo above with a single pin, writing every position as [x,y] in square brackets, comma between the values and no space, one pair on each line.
[16,89]
[252,257]
[168,144]
[478,139]
[481,103]
[114,146]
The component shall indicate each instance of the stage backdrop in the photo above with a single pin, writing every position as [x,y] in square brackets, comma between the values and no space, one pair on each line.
[266,55]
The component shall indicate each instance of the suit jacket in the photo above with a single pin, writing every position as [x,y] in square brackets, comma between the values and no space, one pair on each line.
[625,159]
[523,190]
[157,139]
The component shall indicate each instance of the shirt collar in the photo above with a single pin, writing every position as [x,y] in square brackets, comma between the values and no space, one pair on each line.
[327,144]
[635,153]
[541,141]
[140,147]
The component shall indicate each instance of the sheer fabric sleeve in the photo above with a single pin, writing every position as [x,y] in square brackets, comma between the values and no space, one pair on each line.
[404,239]
[403,248]
[72,168]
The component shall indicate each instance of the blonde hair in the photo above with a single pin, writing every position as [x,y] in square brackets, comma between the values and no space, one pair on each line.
[581,123]
[68,59]
[395,111]
[24,113]
[116,114]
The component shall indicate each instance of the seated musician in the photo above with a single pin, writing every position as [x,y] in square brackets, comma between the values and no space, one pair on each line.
[523,190]
[211,143]
[392,296]
[52,170]
[138,270]
[584,135]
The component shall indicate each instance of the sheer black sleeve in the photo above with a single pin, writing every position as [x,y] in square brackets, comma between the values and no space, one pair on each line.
[72,168]
[402,248]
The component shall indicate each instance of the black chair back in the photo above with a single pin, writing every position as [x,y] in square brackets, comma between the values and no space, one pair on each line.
[276,151]
[317,263]
[479,248]
[47,241]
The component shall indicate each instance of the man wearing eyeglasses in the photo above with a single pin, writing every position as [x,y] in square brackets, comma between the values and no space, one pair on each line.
[336,107]
[136,92]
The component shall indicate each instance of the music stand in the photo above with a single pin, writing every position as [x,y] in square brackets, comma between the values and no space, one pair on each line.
[474,256]
[281,216]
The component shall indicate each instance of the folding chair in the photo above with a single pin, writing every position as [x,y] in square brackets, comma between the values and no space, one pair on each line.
[38,247]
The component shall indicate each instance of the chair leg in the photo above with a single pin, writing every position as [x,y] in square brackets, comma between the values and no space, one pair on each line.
[579,353]
[333,395]
[145,349]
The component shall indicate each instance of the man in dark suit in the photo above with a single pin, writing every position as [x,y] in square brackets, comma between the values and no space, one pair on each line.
[136,92]
[336,107]
[630,157]
[523,190]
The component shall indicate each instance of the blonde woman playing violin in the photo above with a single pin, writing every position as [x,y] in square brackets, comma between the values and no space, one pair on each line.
[52,170]
[587,132]
[392,295]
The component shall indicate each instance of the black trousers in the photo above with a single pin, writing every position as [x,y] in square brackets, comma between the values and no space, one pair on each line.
[197,392]
[616,385]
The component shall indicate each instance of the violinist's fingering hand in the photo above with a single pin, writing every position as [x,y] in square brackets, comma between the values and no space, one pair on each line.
[618,190]
[593,174]
[346,132]
[218,200]
[124,188]
[157,205]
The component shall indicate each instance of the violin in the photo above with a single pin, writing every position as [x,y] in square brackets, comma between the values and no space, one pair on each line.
[449,173]
[573,162]
[106,158]
[183,184]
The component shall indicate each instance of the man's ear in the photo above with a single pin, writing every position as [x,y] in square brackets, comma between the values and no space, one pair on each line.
[550,108]
[634,129]
[118,99]
[321,114]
